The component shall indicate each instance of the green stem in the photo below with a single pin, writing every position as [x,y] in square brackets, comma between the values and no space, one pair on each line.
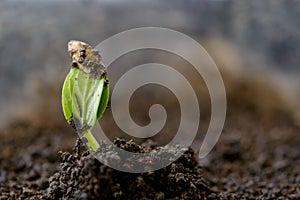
[91,140]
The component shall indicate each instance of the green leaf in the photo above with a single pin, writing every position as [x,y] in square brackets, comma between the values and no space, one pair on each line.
[67,95]
[87,94]
[84,99]
[103,101]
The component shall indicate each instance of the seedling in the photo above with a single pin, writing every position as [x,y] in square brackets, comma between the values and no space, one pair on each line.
[85,92]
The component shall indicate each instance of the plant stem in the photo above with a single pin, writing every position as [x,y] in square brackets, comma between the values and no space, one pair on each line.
[91,140]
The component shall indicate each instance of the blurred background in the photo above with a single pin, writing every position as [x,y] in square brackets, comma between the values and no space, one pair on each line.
[255,44]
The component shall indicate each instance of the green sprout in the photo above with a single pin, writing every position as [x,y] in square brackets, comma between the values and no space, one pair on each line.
[85,92]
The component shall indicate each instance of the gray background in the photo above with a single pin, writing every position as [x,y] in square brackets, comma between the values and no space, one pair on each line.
[265,35]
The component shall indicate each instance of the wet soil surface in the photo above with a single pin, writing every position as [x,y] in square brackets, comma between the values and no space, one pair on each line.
[254,159]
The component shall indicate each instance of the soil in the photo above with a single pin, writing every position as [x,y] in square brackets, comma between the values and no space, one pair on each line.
[257,157]
[251,161]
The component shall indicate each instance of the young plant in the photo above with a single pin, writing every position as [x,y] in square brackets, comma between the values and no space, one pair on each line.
[85,92]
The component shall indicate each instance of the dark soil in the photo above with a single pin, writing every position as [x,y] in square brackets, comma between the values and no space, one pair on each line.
[254,159]
[83,177]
